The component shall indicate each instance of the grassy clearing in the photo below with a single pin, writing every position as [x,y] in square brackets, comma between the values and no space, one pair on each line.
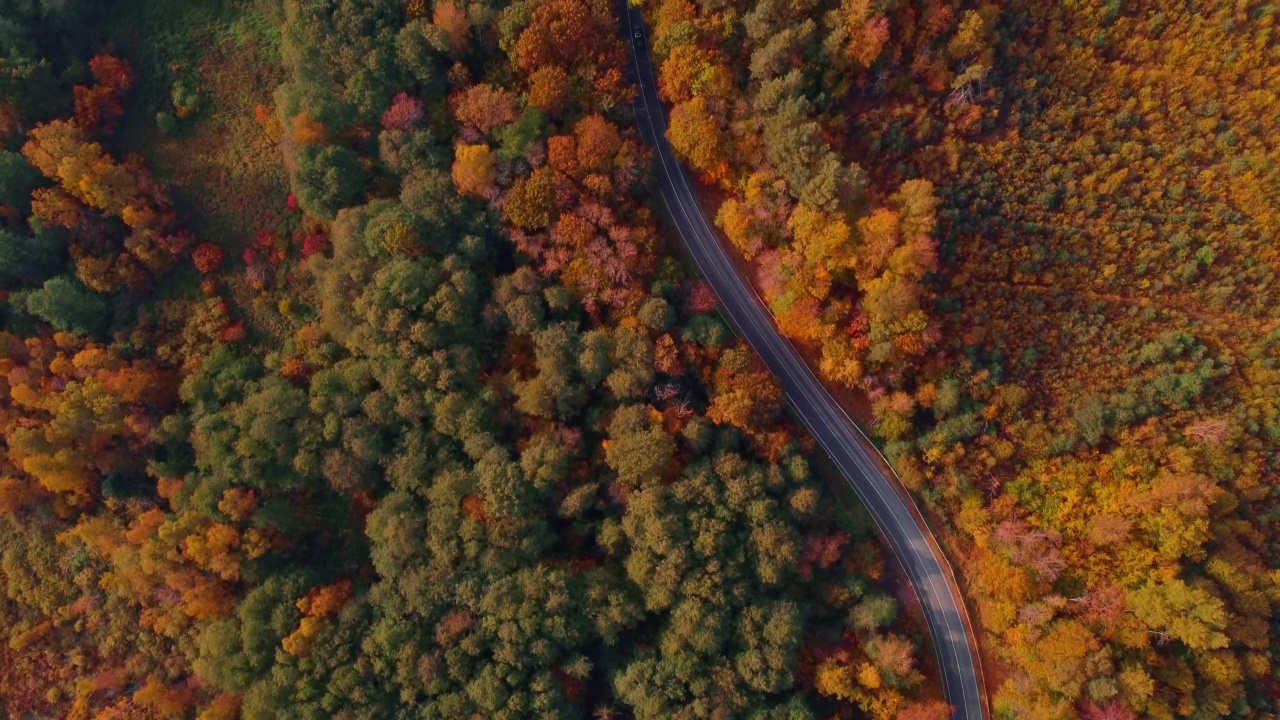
[221,58]
[224,171]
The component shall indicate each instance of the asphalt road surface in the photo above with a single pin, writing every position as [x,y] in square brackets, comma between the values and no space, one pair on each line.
[812,403]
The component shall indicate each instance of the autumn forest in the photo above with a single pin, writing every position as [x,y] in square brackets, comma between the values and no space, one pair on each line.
[352,366]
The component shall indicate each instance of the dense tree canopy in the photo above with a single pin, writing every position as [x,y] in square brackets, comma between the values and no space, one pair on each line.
[429,419]
[444,437]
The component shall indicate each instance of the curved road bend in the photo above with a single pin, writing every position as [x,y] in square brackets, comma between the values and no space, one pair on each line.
[811,401]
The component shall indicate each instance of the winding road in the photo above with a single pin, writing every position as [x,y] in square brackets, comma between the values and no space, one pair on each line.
[898,520]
